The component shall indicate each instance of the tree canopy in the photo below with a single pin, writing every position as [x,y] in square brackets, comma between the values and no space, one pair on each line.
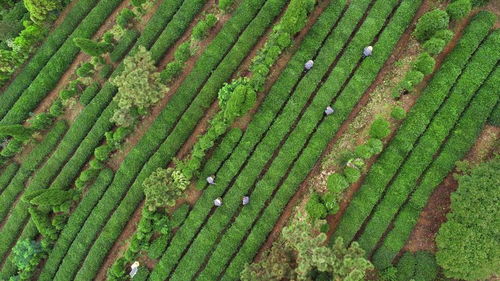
[468,244]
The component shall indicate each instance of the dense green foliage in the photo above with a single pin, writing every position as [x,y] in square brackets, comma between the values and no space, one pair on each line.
[459,9]
[429,23]
[467,242]
[138,86]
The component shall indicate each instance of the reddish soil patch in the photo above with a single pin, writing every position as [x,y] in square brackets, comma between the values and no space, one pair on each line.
[431,218]
[121,243]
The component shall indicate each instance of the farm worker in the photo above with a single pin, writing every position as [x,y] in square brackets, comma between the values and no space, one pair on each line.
[309,64]
[328,110]
[245,200]
[218,202]
[367,51]
[211,180]
[134,268]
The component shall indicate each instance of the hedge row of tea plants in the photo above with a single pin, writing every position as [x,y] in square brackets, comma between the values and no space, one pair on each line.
[460,141]
[413,126]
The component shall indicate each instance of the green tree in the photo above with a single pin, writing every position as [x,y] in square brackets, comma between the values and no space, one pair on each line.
[92,48]
[311,255]
[40,9]
[398,113]
[27,254]
[139,87]
[468,244]
[275,265]
[429,23]
[163,187]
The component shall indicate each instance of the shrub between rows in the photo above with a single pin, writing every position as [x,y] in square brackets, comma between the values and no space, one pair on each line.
[9,268]
[416,122]
[320,138]
[7,174]
[230,61]
[459,143]
[53,42]
[430,141]
[75,222]
[245,181]
[54,68]
[16,219]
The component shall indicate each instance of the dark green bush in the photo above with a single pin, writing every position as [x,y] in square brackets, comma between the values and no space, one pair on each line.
[459,9]
[85,70]
[398,113]
[92,48]
[57,108]
[125,17]
[380,128]
[375,145]
[434,46]
[429,23]
[425,64]
[352,174]
[201,29]
[337,183]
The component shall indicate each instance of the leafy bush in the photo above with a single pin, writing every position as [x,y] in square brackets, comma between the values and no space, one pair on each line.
[92,48]
[183,52]
[380,128]
[315,207]
[429,23]
[375,145]
[459,9]
[425,64]
[85,70]
[444,34]
[225,4]
[434,46]
[398,113]
[201,29]
[163,187]
[337,183]
[352,174]
[363,151]
[41,121]
[171,71]
[125,17]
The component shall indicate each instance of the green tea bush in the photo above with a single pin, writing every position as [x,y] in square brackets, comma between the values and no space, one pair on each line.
[459,9]
[398,113]
[429,23]
[434,46]
[380,128]
[425,64]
